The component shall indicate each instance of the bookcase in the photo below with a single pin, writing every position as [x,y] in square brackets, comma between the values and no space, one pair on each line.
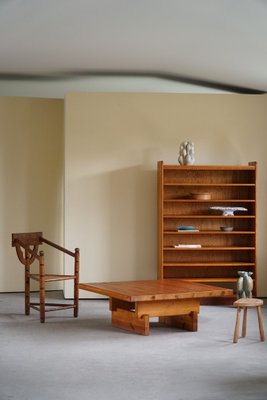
[191,242]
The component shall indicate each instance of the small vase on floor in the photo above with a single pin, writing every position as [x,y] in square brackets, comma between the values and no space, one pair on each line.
[240,284]
[248,284]
[244,284]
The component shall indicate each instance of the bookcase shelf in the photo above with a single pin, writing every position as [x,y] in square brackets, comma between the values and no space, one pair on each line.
[206,254]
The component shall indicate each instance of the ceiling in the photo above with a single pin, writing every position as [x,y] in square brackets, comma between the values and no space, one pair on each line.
[221,43]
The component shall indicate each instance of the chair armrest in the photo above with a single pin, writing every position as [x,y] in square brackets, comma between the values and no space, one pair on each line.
[60,248]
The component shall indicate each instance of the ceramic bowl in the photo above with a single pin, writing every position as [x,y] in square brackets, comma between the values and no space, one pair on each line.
[227,228]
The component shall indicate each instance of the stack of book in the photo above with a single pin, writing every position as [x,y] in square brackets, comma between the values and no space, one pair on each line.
[187,229]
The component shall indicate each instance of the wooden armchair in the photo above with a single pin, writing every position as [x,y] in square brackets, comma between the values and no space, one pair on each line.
[27,248]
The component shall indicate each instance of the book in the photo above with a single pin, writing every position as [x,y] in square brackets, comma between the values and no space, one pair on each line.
[187,230]
[187,245]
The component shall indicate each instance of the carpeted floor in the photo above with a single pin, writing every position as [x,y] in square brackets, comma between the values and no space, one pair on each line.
[86,358]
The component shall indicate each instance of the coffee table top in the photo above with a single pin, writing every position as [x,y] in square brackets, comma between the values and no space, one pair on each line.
[150,290]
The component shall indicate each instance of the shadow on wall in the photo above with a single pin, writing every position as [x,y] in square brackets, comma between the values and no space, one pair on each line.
[114,224]
[134,222]
[31,179]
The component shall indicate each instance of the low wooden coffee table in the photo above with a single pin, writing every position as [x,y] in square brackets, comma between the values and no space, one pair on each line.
[175,301]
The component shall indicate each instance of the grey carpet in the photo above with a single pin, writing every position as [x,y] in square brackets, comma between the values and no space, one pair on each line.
[86,358]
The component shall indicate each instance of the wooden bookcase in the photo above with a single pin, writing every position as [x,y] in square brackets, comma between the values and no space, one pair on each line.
[214,256]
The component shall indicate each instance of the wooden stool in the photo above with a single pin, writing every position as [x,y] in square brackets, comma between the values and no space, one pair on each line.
[247,303]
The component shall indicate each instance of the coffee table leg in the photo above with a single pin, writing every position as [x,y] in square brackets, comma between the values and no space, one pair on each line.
[124,317]
[188,322]
[130,322]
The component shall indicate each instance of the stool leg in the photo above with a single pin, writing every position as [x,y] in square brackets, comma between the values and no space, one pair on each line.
[235,339]
[244,325]
[260,324]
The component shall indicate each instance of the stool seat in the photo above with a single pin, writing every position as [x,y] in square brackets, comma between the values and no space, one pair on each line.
[248,303]
[245,303]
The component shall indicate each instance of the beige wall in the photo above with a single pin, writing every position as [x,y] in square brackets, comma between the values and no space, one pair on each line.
[113,143]
[31,176]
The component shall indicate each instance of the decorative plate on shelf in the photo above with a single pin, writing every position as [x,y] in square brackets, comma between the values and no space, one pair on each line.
[186,228]
[229,211]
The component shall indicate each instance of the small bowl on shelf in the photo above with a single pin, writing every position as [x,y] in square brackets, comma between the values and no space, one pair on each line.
[226,228]
[200,196]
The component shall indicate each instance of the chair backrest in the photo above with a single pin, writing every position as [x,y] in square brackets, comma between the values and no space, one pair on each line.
[27,245]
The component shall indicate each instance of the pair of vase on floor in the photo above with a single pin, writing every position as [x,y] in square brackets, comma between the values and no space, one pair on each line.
[244,284]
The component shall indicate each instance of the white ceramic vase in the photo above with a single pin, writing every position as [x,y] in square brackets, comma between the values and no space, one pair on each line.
[244,284]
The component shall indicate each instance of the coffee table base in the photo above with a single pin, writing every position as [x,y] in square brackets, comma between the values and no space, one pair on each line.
[134,316]
[174,301]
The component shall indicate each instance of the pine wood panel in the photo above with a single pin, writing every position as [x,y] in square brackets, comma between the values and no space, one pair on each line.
[219,254]
[151,290]
[174,301]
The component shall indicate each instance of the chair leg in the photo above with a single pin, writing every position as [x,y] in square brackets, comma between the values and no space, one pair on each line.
[27,290]
[42,301]
[42,288]
[262,337]
[76,299]
[76,282]
[244,325]
[235,339]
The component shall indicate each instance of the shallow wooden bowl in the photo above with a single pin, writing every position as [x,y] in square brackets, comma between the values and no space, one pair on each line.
[201,196]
